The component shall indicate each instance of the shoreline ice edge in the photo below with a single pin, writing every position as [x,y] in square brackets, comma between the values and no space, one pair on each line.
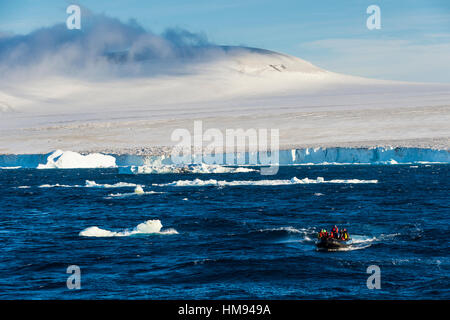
[131,163]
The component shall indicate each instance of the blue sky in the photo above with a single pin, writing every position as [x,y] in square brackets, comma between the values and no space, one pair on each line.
[413,43]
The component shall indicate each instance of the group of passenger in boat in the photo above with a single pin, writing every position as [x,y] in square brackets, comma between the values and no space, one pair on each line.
[335,233]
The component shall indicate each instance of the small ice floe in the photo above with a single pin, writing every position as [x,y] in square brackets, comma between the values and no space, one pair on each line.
[293,181]
[138,190]
[147,227]
[93,184]
[392,161]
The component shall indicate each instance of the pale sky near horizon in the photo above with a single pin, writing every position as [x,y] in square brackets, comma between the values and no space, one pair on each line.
[413,43]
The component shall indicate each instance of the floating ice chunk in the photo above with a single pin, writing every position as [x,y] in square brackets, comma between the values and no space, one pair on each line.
[130,194]
[147,227]
[93,184]
[293,181]
[191,168]
[73,160]
[97,232]
[90,184]
[138,190]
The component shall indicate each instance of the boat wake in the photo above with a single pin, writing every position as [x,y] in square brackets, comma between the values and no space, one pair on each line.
[359,242]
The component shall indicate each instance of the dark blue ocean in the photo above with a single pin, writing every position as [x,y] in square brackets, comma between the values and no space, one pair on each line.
[231,241]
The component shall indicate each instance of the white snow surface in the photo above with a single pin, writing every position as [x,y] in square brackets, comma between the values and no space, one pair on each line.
[240,88]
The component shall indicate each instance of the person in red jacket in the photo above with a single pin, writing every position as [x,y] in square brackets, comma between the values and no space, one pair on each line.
[322,234]
[335,232]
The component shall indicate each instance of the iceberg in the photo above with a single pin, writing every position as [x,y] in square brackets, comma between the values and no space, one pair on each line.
[58,159]
[70,160]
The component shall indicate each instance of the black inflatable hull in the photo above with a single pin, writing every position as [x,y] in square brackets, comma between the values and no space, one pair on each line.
[331,244]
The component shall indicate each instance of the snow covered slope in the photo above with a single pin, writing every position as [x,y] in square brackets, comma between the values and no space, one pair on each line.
[128,101]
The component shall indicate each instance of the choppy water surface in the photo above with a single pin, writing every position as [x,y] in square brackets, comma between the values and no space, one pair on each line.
[239,235]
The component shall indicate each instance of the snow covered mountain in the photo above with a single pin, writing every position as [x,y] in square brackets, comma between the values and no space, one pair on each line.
[128,101]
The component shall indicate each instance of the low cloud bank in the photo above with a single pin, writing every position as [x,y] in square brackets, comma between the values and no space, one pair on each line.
[104,46]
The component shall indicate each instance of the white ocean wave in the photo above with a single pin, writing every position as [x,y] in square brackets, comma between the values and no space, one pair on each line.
[57,185]
[358,242]
[356,239]
[288,229]
[147,227]
[293,181]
